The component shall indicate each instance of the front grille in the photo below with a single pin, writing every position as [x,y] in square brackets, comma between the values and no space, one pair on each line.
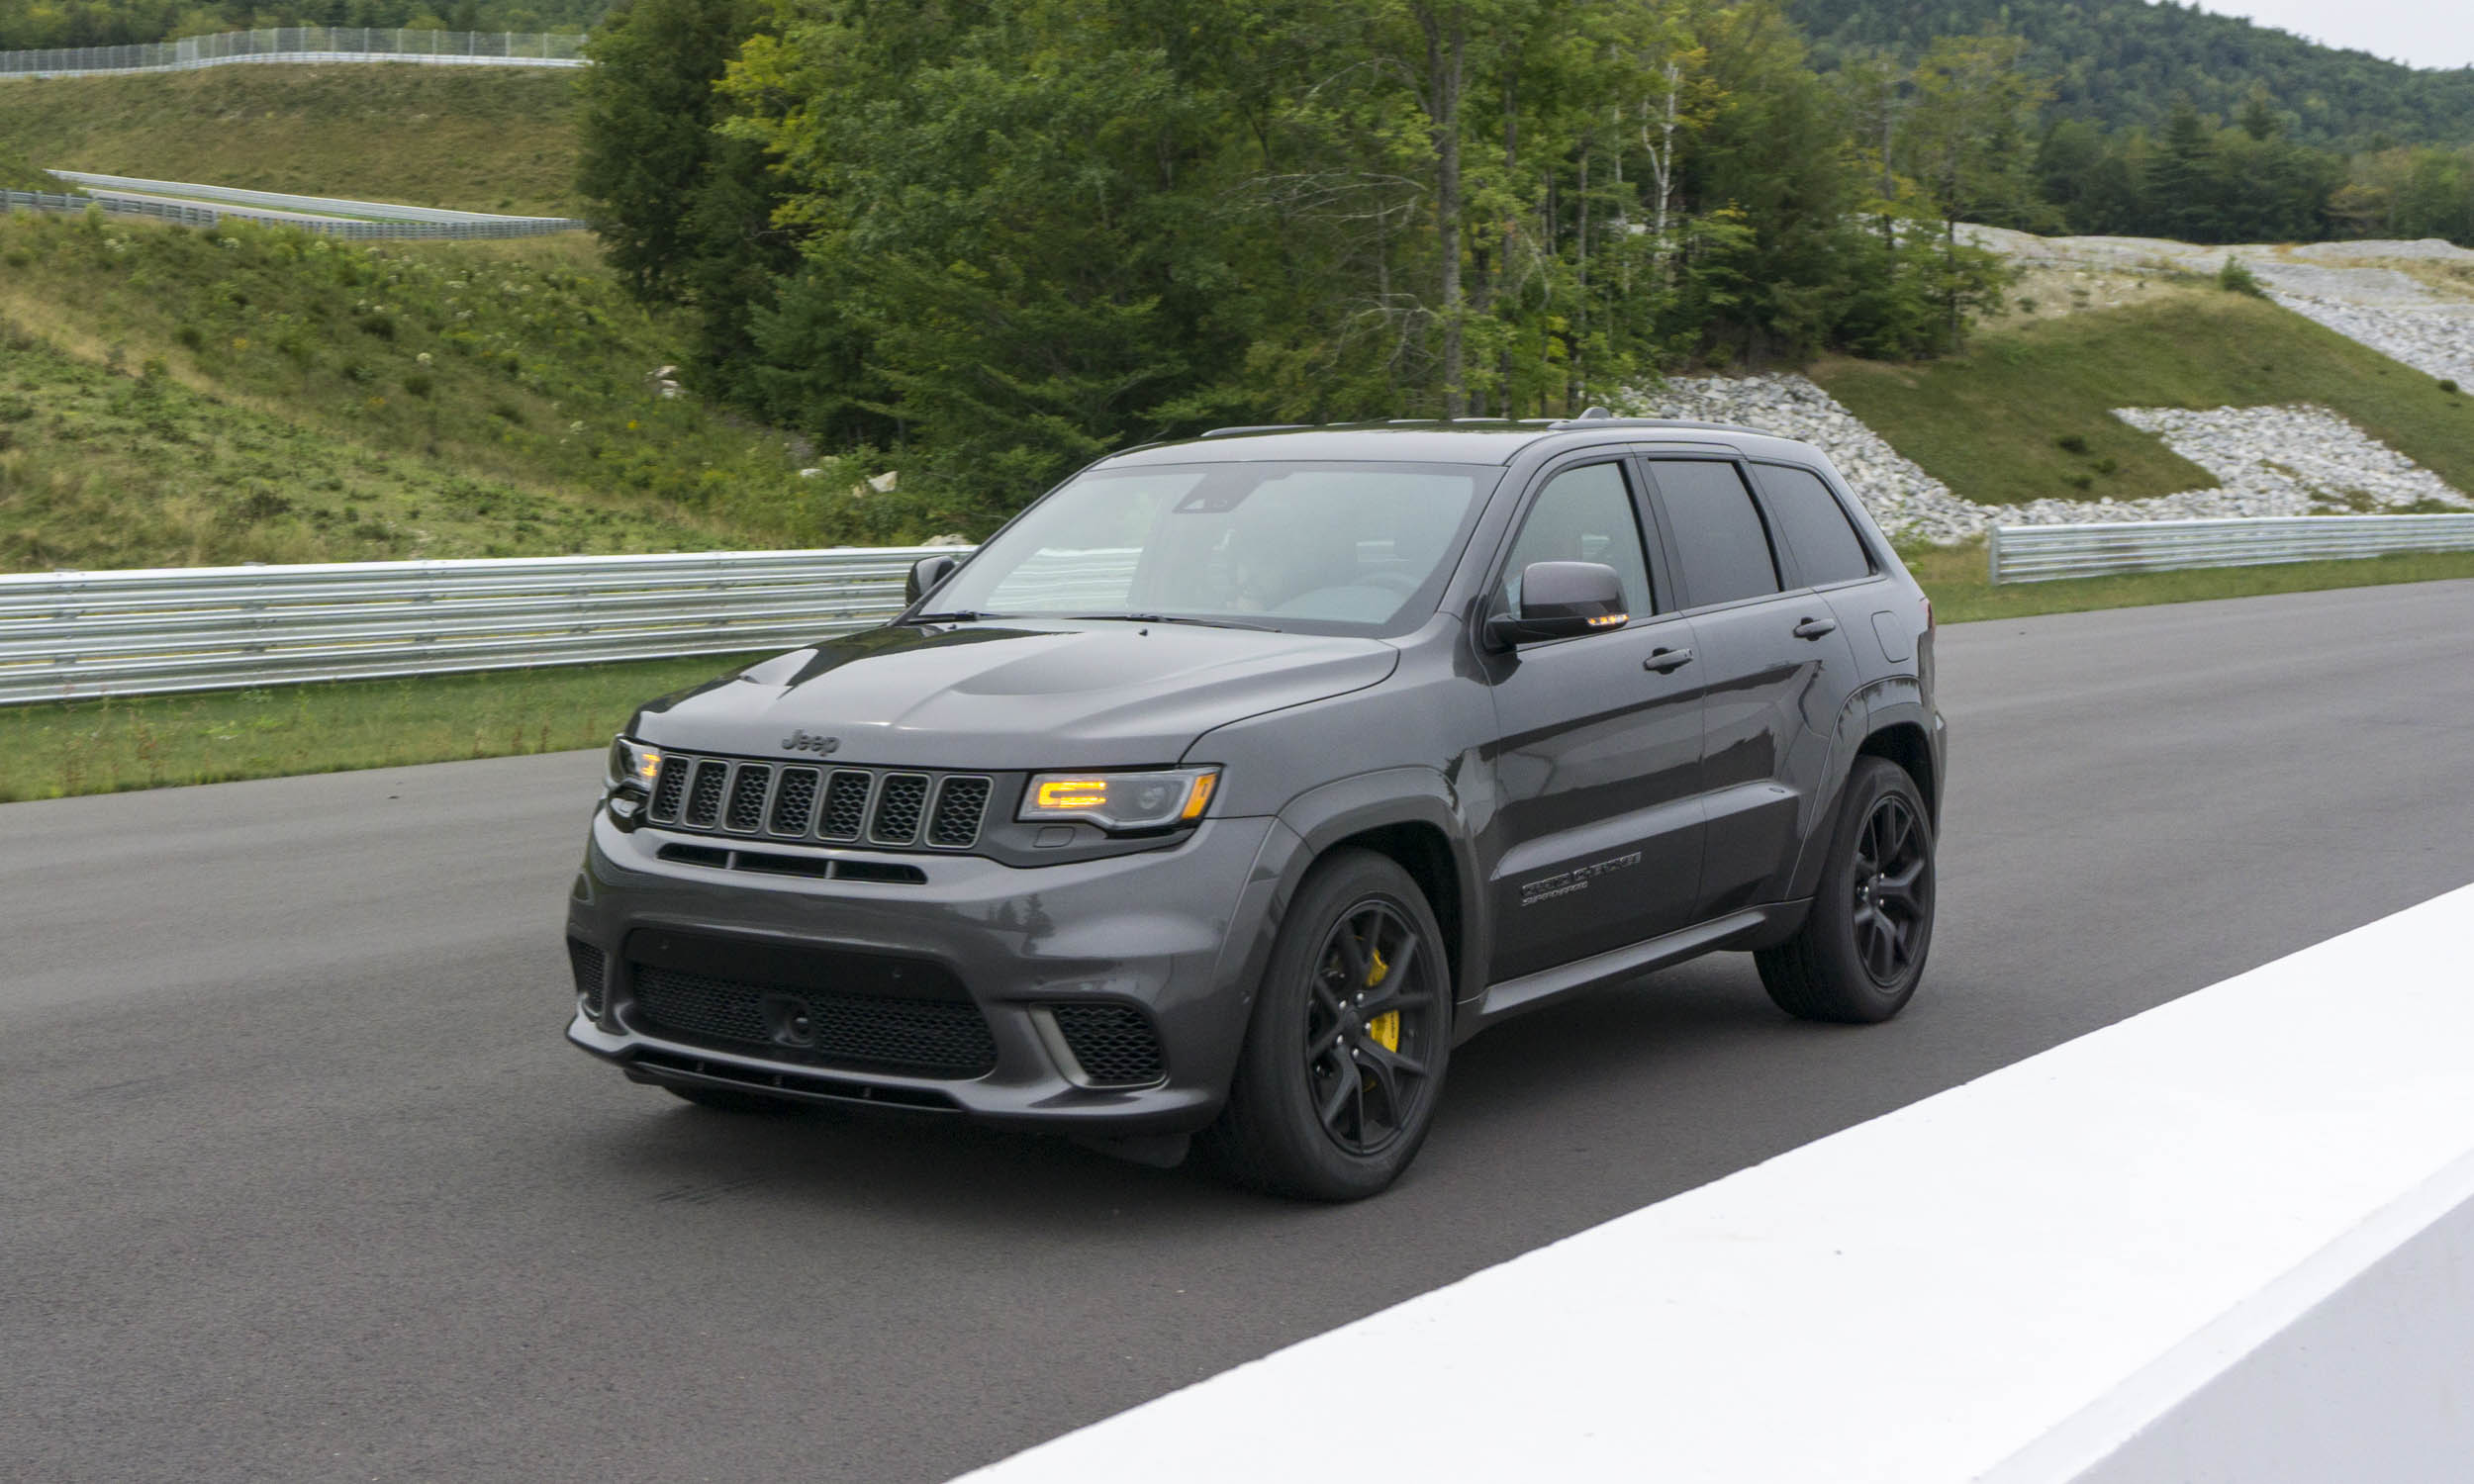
[902,810]
[846,803]
[1114,1044]
[703,794]
[586,960]
[938,1037]
[898,804]
[959,803]
[795,802]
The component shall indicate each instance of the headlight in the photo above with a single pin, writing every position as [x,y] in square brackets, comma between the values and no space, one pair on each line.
[633,765]
[1121,800]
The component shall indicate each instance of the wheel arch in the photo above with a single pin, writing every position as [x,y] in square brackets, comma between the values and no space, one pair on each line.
[1410,817]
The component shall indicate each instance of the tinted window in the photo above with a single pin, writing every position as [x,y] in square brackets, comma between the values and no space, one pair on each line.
[1721,546]
[1827,548]
[1583,514]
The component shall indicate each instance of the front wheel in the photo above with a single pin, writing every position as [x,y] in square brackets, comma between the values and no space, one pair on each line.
[1860,951]
[1345,1054]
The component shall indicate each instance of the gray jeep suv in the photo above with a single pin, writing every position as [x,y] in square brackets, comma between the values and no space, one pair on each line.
[1231,785]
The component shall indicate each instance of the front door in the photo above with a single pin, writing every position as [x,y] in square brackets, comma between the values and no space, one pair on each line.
[1596,841]
[1775,670]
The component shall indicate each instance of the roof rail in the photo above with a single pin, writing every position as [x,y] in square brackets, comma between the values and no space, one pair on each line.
[1228,432]
[1585,421]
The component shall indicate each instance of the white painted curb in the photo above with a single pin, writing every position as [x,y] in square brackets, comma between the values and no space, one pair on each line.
[2230,1239]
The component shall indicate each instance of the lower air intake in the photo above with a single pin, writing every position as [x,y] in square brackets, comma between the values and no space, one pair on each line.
[1114,1044]
[586,960]
[936,1038]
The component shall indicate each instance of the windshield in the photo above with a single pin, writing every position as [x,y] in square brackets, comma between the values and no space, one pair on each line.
[1328,548]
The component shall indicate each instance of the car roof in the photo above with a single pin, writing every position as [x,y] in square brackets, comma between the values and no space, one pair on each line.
[1466,440]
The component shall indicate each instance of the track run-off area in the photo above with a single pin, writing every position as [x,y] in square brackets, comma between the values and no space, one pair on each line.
[300,1180]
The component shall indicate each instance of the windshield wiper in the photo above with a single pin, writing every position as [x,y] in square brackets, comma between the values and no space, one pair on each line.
[1260,628]
[959,615]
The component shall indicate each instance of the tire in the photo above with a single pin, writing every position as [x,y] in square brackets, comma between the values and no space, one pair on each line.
[1861,950]
[1329,1103]
[727,1100]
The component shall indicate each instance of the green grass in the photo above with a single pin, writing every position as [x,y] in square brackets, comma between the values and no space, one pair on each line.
[105,746]
[1993,423]
[149,742]
[254,393]
[1954,576]
[480,139]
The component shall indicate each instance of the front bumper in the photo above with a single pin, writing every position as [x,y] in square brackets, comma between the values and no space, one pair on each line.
[1171,931]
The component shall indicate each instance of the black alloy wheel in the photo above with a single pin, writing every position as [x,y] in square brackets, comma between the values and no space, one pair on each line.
[1892,890]
[1859,953]
[1344,1060]
[1374,1008]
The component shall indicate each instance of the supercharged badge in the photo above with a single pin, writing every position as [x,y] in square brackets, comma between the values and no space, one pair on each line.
[1565,882]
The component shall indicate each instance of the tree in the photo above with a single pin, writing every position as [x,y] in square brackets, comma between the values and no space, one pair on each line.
[1965,144]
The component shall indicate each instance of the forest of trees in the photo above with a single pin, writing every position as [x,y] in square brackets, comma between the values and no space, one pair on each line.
[992,238]
[30,25]
[2120,63]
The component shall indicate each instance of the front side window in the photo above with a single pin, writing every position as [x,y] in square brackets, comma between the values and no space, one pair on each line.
[1583,514]
[1327,547]
[1721,546]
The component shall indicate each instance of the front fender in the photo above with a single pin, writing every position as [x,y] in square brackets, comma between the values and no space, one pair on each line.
[1316,822]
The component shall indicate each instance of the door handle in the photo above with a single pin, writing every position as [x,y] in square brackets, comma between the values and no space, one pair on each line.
[1814,629]
[1664,661]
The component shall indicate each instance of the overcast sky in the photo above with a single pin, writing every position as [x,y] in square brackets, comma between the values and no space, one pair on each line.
[2417,32]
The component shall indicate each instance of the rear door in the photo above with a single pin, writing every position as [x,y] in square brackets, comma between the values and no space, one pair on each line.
[1596,838]
[1775,668]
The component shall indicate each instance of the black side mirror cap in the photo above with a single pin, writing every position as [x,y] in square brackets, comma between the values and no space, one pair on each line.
[1562,600]
[925,574]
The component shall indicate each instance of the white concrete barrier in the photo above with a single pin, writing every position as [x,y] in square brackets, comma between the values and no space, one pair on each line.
[2228,1240]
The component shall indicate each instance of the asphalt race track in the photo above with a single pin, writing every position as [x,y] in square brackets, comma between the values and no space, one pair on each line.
[299,1179]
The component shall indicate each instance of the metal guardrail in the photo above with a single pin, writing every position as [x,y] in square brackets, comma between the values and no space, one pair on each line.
[283,208]
[306,43]
[188,213]
[2045,553]
[79,634]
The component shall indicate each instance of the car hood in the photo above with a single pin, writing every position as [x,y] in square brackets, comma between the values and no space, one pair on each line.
[984,696]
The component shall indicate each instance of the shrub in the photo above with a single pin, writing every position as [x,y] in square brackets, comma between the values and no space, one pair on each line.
[2108,466]
[2079,479]
[2072,443]
[418,384]
[2447,386]
[2235,278]
[373,324]
[190,336]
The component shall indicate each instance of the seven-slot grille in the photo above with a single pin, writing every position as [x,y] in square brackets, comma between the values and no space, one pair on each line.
[875,807]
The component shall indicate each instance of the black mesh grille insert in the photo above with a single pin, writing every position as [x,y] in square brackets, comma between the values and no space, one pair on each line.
[672,788]
[898,807]
[704,794]
[747,795]
[1114,1042]
[959,806]
[845,806]
[942,1038]
[585,960]
[795,802]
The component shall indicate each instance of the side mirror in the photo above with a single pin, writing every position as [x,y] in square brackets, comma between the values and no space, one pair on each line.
[925,574]
[1562,600]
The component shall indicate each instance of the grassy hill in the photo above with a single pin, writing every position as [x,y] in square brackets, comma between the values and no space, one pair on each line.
[480,139]
[170,396]
[2026,414]
[2125,62]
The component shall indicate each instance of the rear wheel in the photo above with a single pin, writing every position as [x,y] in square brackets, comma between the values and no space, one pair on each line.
[1343,1058]
[1861,949]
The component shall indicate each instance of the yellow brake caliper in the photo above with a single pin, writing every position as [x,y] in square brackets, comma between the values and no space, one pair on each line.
[1385,1029]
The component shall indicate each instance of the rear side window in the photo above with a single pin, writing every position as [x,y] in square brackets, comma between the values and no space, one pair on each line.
[1720,543]
[1814,526]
